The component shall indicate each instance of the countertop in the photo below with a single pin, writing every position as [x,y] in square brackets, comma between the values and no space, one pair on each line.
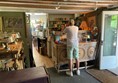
[64,43]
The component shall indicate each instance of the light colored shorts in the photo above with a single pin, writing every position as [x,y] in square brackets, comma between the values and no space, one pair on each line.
[72,52]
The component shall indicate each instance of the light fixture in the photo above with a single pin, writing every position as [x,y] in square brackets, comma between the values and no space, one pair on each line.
[58,6]
[96,6]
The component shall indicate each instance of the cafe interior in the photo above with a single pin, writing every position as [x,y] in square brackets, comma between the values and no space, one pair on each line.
[31,50]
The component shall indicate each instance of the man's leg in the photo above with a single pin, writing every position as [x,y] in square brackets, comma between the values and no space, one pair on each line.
[70,57]
[76,56]
[77,63]
[71,65]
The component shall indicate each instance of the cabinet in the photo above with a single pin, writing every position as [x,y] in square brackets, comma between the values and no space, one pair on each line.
[86,53]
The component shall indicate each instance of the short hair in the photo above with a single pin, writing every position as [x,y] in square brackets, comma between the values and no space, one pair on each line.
[71,20]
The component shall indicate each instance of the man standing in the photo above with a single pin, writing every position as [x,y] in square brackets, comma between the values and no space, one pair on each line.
[72,46]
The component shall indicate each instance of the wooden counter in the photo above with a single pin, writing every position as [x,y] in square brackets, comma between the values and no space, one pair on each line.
[86,53]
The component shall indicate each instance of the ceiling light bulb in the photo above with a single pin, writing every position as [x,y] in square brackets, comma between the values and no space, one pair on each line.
[57,7]
[96,8]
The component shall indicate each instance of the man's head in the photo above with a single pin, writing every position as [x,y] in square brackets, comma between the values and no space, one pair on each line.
[72,22]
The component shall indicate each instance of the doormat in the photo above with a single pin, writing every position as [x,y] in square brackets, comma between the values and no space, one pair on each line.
[103,75]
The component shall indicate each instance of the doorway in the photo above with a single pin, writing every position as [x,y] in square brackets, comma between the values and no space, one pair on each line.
[109,41]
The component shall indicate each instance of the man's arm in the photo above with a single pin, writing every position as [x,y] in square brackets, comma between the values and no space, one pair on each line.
[63,34]
[64,31]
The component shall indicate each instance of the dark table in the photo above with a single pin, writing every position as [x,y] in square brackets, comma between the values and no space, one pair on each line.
[29,75]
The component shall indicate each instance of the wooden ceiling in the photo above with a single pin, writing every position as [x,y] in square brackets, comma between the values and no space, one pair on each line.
[56,5]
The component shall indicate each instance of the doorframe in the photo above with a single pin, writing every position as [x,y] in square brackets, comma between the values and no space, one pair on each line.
[102,32]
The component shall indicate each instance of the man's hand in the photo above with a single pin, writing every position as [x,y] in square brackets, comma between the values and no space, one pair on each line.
[63,37]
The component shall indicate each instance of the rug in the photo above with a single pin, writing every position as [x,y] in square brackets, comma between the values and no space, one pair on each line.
[61,77]
[104,76]
[114,70]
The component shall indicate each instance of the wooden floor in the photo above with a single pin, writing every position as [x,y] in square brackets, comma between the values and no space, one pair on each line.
[41,60]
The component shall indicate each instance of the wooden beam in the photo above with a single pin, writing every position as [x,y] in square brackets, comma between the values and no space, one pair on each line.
[51,4]
[63,5]
[39,6]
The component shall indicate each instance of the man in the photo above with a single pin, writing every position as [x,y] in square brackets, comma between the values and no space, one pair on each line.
[72,47]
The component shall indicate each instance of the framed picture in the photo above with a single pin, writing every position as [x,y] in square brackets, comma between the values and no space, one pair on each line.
[91,22]
[1,24]
[13,22]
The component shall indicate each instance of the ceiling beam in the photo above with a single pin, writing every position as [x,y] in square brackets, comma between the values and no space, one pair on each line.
[62,1]
[65,4]
[62,4]
[42,6]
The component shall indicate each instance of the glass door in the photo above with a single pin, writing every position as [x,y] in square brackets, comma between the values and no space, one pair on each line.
[109,39]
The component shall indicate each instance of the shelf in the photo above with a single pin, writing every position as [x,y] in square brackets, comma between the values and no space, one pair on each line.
[58,22]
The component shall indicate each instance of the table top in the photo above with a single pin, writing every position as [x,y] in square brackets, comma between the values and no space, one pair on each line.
[24,75]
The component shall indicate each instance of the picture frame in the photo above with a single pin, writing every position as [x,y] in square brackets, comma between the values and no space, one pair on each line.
[91,22]
[13,22]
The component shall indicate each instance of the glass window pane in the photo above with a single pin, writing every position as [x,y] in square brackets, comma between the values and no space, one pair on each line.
[110,35]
